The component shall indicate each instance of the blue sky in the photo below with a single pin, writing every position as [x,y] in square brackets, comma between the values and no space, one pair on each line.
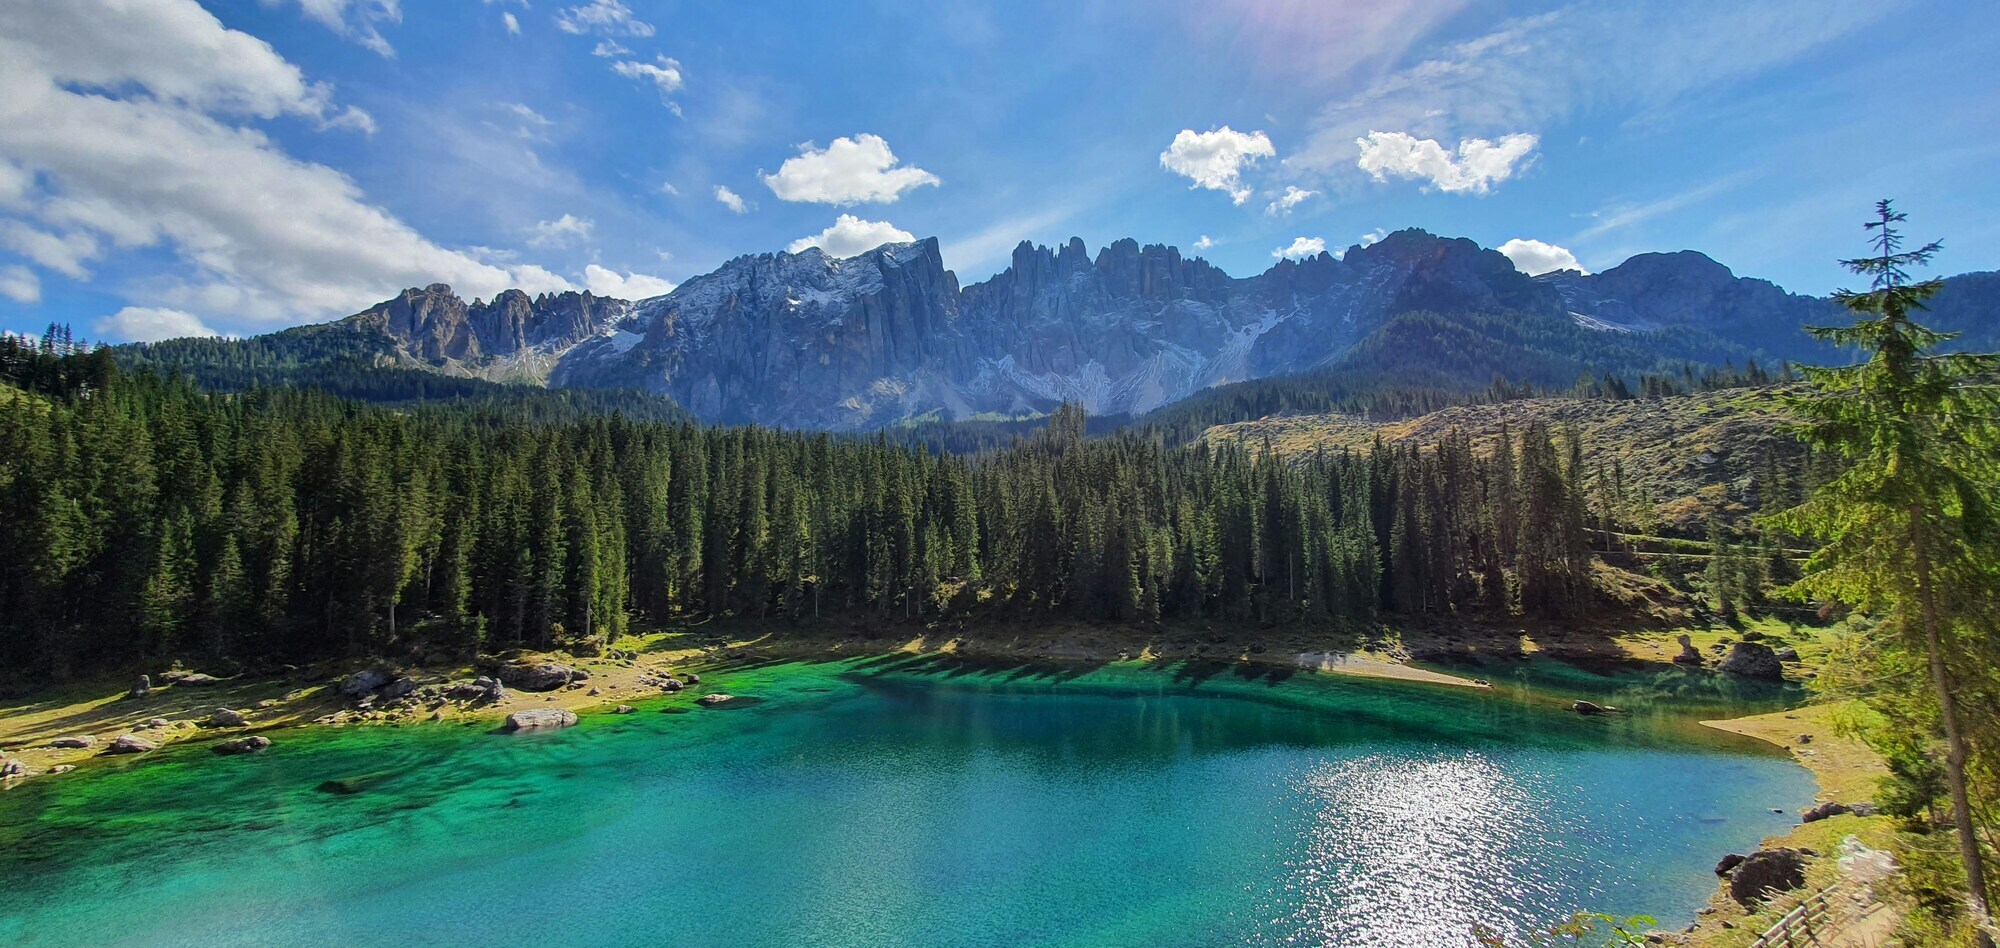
[236,166]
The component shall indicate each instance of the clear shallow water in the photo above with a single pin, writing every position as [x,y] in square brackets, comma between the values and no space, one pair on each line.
[912,803]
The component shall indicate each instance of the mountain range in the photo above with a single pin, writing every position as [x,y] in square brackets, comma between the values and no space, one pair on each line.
[808,340]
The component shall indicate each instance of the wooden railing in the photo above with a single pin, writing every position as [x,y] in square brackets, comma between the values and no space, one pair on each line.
[1807,923]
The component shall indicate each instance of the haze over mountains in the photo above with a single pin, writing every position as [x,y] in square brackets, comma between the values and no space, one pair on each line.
[807,340]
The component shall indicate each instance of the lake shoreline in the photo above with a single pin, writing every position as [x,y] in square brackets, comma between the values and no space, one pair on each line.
[309,697]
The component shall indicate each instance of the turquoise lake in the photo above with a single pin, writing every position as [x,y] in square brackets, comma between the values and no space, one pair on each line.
[924,802]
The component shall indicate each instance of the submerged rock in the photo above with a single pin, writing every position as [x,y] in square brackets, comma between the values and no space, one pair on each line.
[623,709]
[720,700]
[1767,871]
[1751,660]
[128,744]
[1590,708]
[242,745]
[541,719]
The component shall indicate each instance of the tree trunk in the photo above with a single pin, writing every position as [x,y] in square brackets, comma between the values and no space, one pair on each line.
[1968,840]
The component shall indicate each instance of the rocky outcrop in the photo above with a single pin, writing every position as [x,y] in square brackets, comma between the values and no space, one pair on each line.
[1689,654]
[242,745]
[1765,872]
[513,334]
[534,719]
[1753,660]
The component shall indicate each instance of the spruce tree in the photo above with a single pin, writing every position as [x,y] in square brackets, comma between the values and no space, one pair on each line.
[1909,527]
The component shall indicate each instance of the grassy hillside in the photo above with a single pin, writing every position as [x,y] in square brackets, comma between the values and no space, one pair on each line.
[1692,455]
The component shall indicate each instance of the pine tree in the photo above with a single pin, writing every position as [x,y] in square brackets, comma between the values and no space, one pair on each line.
[1909,526]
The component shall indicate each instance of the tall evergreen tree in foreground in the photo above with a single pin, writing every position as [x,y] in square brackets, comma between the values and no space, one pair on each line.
[1908,527]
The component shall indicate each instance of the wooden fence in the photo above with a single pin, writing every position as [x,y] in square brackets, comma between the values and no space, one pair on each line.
[1808,923]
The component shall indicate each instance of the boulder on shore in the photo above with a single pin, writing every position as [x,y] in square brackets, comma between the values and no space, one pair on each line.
[1821,811]
[1766,871]
[12,768]
[242,745]
[1729,862]
[197,680]
[543,676]
[481,689]
[140,688]
[1689,655]
[224,717]
[78,742]
[540,719]
[127,744]
[397,690]
[362,682]
[1751,660]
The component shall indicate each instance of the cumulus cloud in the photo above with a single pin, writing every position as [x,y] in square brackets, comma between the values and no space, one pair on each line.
[851,235]
[663,73]
[604,17]
[1535,258]
[1301,248]
[858,170]
[1475,167]
[1204,243]
[562,231]
[1293,197]
[122,129]
[630,286]
[730,199]
[20,284]
[609,49]
[1215,159]
[354,19]
[151,324]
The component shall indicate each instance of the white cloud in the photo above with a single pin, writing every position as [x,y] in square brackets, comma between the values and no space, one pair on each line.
[730,199]
[663,73]
[1627,61]
[1475,167]
[609,49]
[1215,159]
[1535,258]
[561,232]
[667,187]
[512,23]
[606,17]
[151,324]
[120,131]
[851,235]
[361,25]
[20,284]
[1301,248]
[849,171]
[1204,243]
[1293,197]
[631,286]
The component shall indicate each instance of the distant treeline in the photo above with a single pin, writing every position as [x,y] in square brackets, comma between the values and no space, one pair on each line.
[147,518]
